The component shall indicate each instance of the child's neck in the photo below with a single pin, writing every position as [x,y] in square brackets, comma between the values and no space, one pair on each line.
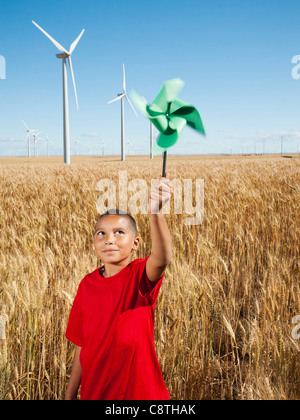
[110,270]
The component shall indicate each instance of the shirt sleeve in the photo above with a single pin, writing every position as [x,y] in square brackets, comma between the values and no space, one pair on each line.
[74,330]
[148,289]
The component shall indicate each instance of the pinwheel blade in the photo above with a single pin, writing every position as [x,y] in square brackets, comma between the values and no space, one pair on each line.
[158,118]
[161,122]
[177,124]
[131,105]
[167,94]
[60,47]
[73,45]
[73,78]
[170,136]
[140,103]
[189,113]
[117,98]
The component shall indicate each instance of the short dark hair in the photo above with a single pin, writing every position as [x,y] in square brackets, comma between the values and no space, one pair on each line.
[121,213]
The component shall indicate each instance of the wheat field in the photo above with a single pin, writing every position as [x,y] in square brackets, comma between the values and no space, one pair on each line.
[224,314]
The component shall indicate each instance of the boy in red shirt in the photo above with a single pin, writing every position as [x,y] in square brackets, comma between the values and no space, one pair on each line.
[112,318]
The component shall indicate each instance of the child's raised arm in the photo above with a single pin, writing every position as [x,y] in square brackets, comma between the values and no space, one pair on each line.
[161,253]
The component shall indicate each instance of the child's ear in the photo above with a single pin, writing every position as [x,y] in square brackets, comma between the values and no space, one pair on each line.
[136,243]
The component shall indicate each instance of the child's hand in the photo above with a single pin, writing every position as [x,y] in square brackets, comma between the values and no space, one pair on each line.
[160,194]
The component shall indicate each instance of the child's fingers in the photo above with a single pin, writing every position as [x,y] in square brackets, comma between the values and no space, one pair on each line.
[164,196]
[166,178]
[163,190]
[163,187]
[159,194]
[164,181]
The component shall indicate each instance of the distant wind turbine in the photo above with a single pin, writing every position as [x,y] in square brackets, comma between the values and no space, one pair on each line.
[65,55]
[129,144]
[35,138]
[122,96]
[76,142]
[28,135]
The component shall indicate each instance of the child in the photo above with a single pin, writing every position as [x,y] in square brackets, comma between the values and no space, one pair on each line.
[112,318]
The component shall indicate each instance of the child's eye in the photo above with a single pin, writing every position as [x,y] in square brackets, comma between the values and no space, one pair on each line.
[101,232]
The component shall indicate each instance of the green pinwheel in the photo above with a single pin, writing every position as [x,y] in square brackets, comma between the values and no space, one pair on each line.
[169,114]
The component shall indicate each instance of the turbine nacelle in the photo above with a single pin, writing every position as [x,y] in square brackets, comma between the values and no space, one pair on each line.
[63,55]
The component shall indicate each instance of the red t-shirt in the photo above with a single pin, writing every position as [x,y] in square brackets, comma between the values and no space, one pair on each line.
[112,319]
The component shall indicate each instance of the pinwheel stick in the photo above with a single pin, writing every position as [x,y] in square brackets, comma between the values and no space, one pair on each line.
[164,164]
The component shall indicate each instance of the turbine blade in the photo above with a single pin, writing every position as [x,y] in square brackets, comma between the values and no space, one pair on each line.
[26,126]
[73,45]
[131,105]
[73,78]
[61,48]
[124,79]
[117,98]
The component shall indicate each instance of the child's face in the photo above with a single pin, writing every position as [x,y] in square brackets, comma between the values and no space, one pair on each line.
[114,233]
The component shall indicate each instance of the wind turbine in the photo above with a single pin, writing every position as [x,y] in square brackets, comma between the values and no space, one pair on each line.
[35,138]
[122,96]
[76,142]
[28,135]
[64,56]
[129,144]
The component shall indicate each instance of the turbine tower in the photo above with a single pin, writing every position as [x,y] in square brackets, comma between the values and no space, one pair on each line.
[122,96]
[64,56]
[28,135]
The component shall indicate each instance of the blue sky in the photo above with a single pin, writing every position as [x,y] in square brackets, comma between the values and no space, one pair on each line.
[235,57]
